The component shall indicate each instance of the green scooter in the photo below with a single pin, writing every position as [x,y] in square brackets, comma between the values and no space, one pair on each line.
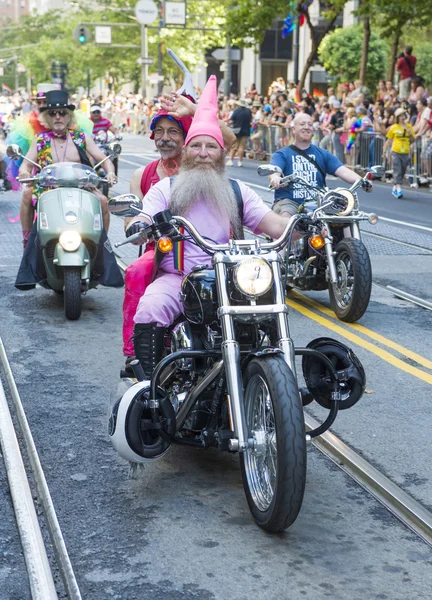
[70,240]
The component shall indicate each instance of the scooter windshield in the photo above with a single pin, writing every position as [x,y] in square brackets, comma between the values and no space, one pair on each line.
[67,175]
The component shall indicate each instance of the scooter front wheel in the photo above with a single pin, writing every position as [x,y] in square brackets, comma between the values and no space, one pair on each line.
[72,292]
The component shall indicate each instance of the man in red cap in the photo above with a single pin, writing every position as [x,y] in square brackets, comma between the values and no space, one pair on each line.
[169,129]
[202,193]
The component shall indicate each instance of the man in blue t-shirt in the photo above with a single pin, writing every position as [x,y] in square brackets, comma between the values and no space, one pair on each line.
[293,161]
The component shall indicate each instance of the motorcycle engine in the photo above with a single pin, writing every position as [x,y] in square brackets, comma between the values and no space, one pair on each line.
[182,339]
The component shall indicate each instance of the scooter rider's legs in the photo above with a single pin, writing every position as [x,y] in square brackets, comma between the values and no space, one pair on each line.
[104,206]
[27,212]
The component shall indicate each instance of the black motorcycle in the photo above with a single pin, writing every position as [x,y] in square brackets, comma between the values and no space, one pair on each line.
[228,377]
[329,253]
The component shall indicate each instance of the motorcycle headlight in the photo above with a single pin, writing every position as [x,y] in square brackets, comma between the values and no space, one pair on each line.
[70,240]
[342,208]
[253,276]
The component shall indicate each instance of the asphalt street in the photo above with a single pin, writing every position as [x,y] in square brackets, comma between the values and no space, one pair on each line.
[182,529]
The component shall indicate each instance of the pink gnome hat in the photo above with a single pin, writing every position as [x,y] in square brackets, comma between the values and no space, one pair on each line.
[205,121]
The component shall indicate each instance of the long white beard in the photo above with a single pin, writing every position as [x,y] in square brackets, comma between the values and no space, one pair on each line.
[210,187]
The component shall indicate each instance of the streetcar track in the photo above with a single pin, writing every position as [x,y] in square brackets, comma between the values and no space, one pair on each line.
[404,507]
[394,241]
[41,586]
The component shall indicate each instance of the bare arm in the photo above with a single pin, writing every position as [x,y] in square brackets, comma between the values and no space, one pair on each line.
[180,106]
[273,225]
[347,175]
[26,167]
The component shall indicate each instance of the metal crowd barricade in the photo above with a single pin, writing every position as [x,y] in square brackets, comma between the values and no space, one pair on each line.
[277,137]
[420,170]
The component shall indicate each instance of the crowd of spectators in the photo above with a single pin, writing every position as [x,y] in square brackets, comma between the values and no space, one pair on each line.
[350,120]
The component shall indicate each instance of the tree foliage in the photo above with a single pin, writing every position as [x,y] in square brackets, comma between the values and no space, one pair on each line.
[341,50]
[52,37]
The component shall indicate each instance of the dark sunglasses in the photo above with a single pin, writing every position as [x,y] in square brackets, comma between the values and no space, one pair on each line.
[60,113]
[95,112]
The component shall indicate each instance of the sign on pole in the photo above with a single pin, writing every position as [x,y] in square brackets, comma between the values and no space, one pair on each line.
[175,13]
[145,60]
[220,54]
[102,35]
[146,12]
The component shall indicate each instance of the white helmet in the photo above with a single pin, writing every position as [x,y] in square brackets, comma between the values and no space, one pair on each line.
[127,411]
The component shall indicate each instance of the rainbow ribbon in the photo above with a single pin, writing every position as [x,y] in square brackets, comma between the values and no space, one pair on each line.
[179,253]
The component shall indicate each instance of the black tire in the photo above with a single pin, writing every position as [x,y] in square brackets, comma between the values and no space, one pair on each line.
[350,296]
[72,292]
[271,377]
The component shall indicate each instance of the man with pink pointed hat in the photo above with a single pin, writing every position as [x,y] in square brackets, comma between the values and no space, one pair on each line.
[169,128]
[203,194]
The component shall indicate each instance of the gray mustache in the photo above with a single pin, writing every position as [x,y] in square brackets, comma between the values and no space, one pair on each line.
[164,144]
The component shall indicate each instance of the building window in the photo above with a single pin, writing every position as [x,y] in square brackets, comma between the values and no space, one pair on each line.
[273,46]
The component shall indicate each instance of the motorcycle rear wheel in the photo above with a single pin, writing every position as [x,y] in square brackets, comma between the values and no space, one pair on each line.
[274,471]
[350,296]
[72,292]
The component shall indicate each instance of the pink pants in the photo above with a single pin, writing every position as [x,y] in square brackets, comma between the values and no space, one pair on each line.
[161,302]
[137,278]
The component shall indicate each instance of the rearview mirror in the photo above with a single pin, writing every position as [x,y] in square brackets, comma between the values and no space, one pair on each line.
[115,149]
[14,151]
[126,205]
[269,170]
[377,172]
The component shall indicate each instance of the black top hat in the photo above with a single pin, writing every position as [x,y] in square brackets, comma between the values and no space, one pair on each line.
[57,99]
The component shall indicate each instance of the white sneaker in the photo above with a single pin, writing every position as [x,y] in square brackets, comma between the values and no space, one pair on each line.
[239,164]
[229,163]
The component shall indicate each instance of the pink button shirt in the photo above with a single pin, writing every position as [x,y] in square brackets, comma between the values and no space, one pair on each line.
[210,225]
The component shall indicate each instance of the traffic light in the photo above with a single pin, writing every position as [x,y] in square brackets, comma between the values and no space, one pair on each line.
[82,34]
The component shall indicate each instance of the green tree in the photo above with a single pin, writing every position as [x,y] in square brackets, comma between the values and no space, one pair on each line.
[341,50]
[52,39]
[248,20]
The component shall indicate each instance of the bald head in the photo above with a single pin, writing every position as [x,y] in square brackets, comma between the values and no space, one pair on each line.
[302,126]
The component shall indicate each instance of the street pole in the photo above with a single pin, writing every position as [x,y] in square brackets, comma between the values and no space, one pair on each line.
[144,67]
[88,82]
[228,68]
[296,46]
[161,24]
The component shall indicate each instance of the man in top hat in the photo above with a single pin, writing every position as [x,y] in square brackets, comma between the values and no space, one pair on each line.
[62,141]
[202,193]
[169,129]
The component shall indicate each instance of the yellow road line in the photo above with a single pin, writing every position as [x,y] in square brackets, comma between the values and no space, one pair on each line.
[421,360]
[396,362]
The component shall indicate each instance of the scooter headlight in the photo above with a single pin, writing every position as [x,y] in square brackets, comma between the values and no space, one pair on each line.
[253,276]
[70,240]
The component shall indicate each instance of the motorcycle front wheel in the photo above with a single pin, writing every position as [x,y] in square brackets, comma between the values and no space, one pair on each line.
[350,295]
[72,292]
[274,470]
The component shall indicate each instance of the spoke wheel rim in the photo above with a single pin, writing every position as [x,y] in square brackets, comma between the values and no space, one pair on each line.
[261,462]
[344,288]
